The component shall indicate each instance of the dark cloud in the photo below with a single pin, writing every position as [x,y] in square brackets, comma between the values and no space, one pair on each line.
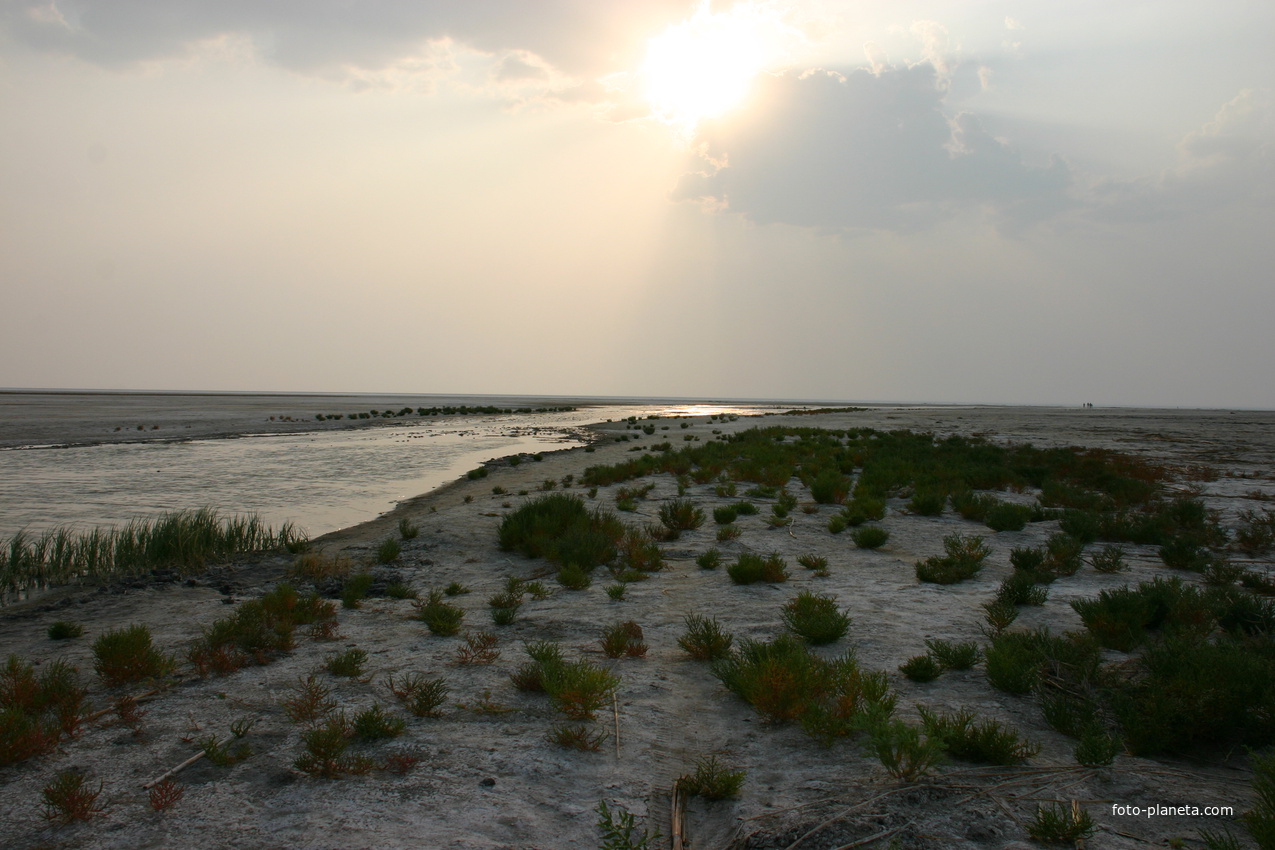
[577,36]
[865,150]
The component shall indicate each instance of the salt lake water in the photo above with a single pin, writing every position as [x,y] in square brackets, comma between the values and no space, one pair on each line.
[65,461]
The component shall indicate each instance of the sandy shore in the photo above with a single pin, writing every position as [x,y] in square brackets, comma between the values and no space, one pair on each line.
[487,776]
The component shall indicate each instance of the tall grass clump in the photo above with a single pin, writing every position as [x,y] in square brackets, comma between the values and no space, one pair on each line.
[986,742]
[181,540]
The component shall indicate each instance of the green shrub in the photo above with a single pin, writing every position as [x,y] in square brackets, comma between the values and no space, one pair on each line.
[1096,748]
[623,639]
[574,578]
[1000,615]
[578,688]
[407,530]
[709,560]
[620,832]
[1196,692]
[63,630]
[711,780]
[972,506]
[745,508]
[420,695]
[37,711]
[750,568]
[988,742]
[921,668]
[455,589]
[1015,659]
[374,724]
[615,592]
[1110,559]
[126,655]
[577,737]
[388,551]
[348,663]
[1005,516]
[681,515]
[1059,824]
[1020,588]
[784,681]
[814,562]
[1027,560]
[928,502]
[441,618]
[901,750]
[870,537]
[815,618]
[1260,820]
[559,528]
[954,656]
[704,640]
[68,798]
[963,560]
[725,515]
[1062,554]
[354,589]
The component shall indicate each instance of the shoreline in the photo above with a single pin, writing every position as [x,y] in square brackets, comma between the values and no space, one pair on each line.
[488,778]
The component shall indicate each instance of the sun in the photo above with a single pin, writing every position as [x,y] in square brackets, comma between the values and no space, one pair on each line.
[704,67]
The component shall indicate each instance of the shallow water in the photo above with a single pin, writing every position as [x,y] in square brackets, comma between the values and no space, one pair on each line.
[318,480]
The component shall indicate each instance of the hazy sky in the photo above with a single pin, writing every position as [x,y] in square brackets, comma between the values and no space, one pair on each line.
[1017,201]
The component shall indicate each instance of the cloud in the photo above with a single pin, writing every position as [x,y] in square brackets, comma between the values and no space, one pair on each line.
[865,150]
[1229,160]
[309,36]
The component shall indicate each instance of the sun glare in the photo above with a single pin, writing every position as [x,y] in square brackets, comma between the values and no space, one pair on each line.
[705,66]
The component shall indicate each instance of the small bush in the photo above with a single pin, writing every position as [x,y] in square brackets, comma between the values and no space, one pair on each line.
[578,737]
[407,530]
[615,592]
[68,798]
[725,515]
[710,560]
[705,640]
[374,724]
[126,655]
[727,533]
[963,559]
[325,747]
[1260,820]
[574,578]
[1020,588]
[1062,554]
[928,502]
[619,831]
[478,648]
[1097,749]
[441,618]
[750,568]
[988,742]
[348,663]
[681,515]
[1110,559]
[813,562]
[901,750]
[578,688]
[921,668]
[355,589]
[388,551]
[623,639]
[954,656]
[1027,560]
[420,695]
[870,537]
[1059,824]
[455,589]
[309,701]
[165,795]
[815,618]
[1005,516]
[63,630]
[711,780]
[1000,614]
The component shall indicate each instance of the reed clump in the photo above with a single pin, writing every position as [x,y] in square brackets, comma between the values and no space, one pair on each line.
[181,540]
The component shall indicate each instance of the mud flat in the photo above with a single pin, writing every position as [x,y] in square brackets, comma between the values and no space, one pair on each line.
[486,775]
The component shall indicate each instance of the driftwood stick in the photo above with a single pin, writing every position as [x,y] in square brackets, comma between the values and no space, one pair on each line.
[105,711]
[176,770]
[615,708]
[679,812]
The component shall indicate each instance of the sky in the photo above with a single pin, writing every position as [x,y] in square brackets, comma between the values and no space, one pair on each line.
[984,201]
